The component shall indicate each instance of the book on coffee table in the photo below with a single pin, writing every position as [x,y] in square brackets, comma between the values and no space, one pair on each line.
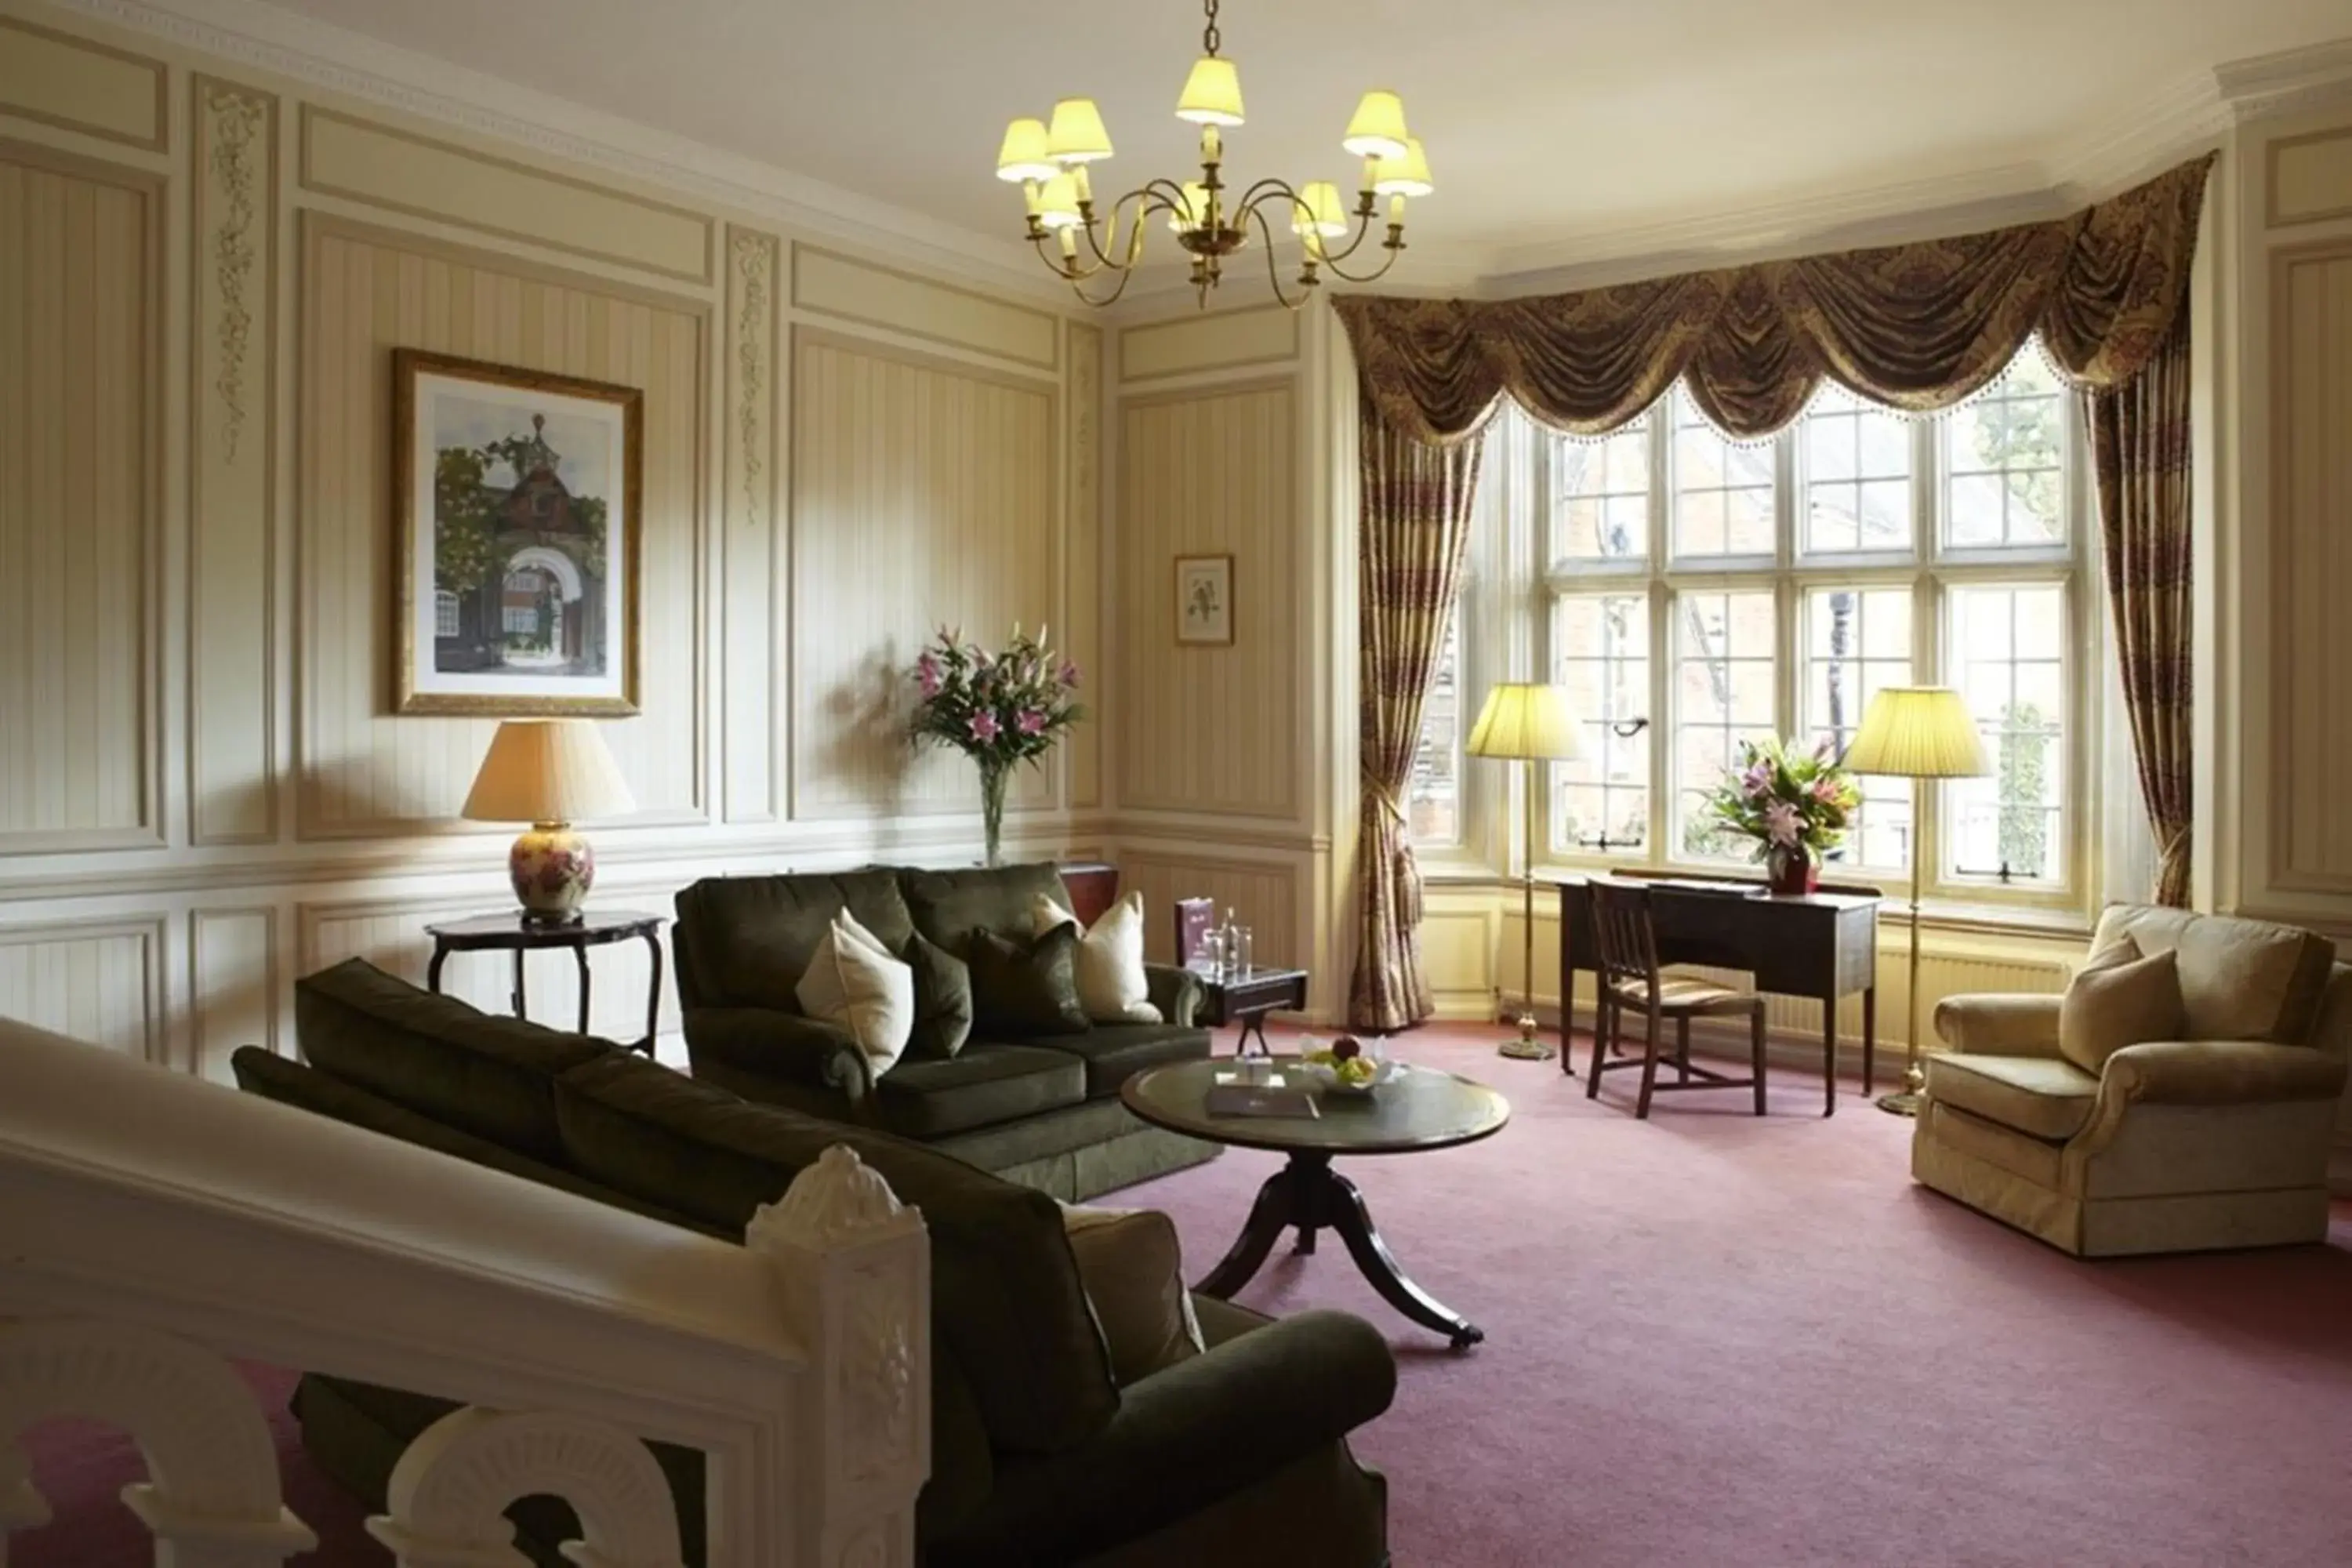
[1259,1099]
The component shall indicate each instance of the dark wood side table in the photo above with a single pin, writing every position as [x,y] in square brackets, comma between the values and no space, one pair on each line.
[1094,888]
[510,933]
[1246,999]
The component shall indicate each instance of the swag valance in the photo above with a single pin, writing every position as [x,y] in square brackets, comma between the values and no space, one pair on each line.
[1916,327]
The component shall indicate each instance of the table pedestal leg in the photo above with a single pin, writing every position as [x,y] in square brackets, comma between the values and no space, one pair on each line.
[1308,1194]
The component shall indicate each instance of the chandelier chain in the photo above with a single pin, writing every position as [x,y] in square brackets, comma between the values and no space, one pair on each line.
[1211,38]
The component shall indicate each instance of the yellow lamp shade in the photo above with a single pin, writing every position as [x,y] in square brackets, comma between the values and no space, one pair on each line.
[1023,155]
[1522,719]
[1213,93]
[547,770]
[1319,209]
[1378,129]
[1057,203]
[1194,210]
[1918,732]
[1077,135]
[1405,176]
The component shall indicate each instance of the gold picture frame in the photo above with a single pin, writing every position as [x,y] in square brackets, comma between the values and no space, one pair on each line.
[519,529]
[1204,601]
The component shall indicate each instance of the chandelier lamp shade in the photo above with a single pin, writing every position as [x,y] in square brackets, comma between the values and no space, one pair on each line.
[1097,247]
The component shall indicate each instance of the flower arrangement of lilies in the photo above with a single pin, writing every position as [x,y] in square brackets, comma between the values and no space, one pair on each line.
[1787,800]
[997,708]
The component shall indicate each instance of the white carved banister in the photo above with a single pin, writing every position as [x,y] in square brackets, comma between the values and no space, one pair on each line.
[854,1266]
[145,1209]
[211,1497]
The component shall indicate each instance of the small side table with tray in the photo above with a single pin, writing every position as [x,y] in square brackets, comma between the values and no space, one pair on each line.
[514,932]
[1231,994]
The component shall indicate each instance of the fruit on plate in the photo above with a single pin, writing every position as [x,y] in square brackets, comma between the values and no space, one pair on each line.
[1355,1071]
[1347,1047]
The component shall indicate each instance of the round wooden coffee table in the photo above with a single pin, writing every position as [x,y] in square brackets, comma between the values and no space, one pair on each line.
[1420,1109]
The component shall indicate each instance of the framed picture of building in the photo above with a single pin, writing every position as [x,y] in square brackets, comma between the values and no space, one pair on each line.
[1204,599]
[516,496]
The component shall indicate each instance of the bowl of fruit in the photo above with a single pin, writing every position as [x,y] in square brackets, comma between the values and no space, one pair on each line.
[1344,1066]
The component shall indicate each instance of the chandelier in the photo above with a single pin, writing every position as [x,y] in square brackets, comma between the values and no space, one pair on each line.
[1083,241]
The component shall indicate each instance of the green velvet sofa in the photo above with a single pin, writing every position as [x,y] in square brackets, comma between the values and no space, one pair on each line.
[1042,1110]
[1237,1455]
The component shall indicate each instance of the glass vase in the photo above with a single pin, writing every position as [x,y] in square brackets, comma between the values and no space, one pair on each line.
[991,810]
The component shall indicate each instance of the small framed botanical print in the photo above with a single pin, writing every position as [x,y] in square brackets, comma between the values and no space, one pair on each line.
[515,499]
[1204,600]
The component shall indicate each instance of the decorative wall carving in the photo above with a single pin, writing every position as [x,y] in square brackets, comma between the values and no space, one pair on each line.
[1082,556]
[235,123]
[755,271]
[450,1490]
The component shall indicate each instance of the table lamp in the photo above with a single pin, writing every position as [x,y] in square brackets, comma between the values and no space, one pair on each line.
[1529,723]
[1916,733]
[550,773]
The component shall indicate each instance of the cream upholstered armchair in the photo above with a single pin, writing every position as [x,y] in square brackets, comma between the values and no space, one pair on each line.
[2217,1140]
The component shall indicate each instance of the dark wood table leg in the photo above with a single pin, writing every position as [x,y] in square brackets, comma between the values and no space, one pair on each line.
[433,969]
[1252,1021]
[518,1003]
[1268,1218]
[1353,1221]
[580,959]
[1829,1055]
[653,995]
[1869,1040]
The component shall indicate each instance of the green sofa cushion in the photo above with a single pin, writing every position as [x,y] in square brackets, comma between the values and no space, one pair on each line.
[491,1076]
[1006,1302]
[745,941]
[979,1088]
[1115,1052]
[949,906]
[1025,987]
[942,999]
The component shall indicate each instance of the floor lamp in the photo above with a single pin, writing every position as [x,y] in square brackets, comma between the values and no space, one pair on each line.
[1916,733]
[1527,723]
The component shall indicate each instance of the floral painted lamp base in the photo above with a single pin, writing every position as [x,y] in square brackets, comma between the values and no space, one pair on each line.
[551,866]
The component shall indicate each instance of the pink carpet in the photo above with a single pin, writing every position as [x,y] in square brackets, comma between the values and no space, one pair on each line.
[1715,1340]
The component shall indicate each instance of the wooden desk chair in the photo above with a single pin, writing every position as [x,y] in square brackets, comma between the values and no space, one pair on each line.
[1629,979]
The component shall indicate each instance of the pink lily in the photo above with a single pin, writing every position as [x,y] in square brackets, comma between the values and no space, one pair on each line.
[1029,722]
[984,727]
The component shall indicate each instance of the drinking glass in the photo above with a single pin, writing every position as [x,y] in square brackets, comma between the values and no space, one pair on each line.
[1239,955]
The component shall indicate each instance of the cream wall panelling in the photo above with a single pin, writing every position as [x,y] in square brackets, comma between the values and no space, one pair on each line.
[2308,177]
[847,288]
[924,492]
[1212,730]
[1087,584]
[232,567]
[365,291]
[98,980]
[1223,339]
[81,434]
[402,172]
[754,670]
[234,986]
[79,84]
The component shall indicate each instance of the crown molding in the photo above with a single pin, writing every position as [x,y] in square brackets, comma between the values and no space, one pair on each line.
[334,59]
[2286,83]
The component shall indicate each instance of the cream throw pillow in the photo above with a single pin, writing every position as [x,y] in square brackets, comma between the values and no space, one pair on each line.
[854,983]
[2119,999]
[1109,963]
[1133,1273]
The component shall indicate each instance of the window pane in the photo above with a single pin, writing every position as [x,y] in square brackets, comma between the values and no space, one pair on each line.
[1602,647]
[1723,489]
[1857,476]
[1856,641]
[1600,496]
[1724,660]
[2011,669]
[2004,459]
[1434,798]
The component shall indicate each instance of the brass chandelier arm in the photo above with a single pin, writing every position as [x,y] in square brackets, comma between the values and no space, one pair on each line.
[1274,267]
[1155,195]
[1076,275]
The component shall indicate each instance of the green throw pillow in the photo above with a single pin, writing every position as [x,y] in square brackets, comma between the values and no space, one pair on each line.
[1024,989]
[942,999]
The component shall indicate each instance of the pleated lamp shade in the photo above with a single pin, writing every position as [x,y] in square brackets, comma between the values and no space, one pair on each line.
[1918,732]
[547,770]
[1525,720]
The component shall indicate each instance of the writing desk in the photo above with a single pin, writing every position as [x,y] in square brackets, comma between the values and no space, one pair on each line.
[1821,945]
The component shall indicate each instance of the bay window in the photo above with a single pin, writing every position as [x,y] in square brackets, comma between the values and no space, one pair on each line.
[1692,592]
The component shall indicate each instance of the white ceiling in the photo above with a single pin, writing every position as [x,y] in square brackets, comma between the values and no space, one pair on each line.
[1547,122]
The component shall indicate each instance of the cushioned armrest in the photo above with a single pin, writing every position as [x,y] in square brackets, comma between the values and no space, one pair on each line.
[1175,992]
[2222,1072]
[1999,1025]
[780,1046]
[1201,1430]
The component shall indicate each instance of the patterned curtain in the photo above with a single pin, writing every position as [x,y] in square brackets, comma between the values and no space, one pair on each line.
[1414,535]
[2140,441]
[1916,327]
